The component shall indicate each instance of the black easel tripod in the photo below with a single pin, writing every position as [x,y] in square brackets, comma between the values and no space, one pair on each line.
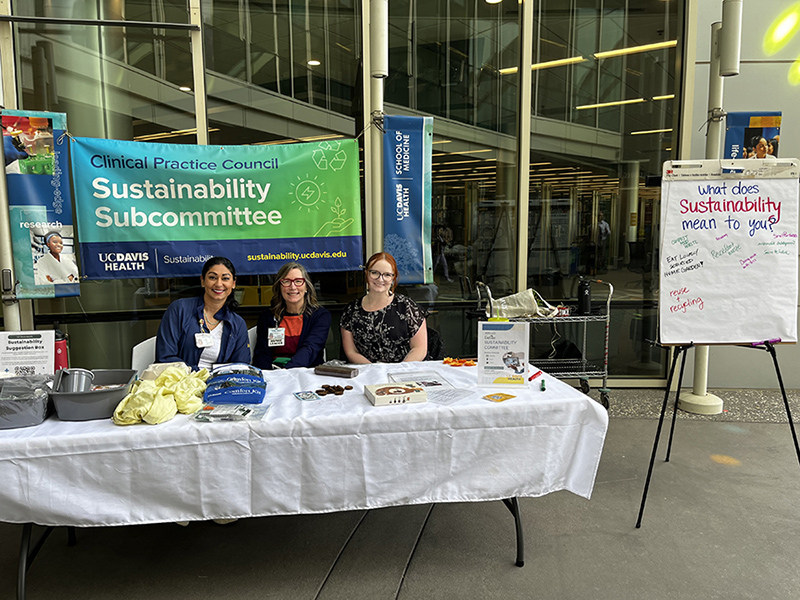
[765,345]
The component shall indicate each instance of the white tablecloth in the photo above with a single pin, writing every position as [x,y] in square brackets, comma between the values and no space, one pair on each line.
[338,453]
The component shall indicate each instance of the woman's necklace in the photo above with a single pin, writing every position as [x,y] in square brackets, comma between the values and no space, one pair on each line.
[376,302]
[210,321]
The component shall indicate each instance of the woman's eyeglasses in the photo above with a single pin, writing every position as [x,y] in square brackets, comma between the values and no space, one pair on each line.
[295,282]
[378,275]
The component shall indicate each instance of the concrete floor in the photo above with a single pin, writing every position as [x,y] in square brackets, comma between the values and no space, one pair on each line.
[721,522]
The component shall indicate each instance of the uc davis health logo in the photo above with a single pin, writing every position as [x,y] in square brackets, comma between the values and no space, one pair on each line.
[123,261]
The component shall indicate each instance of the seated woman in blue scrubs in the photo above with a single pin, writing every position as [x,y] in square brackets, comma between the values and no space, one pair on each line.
[204,330]
[293,332]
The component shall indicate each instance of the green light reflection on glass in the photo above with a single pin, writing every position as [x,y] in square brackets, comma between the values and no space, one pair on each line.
[794,72]
[782,29]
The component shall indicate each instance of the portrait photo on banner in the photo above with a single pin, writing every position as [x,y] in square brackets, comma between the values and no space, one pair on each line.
[752,135]
[43,240]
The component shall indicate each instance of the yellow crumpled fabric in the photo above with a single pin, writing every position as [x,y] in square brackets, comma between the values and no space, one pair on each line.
[157,401]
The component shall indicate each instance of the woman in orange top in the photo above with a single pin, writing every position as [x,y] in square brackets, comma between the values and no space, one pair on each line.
[296,326]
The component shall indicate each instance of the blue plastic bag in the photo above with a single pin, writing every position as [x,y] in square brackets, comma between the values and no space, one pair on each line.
[235,388]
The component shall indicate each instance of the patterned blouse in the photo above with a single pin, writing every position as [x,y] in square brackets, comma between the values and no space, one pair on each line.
[384,335]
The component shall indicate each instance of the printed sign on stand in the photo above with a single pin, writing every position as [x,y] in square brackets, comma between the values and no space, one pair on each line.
[744,130]
[503,349]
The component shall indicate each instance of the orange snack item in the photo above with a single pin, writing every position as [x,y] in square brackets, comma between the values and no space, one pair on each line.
[459,362]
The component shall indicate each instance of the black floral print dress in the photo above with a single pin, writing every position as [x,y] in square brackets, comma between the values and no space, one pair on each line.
[384,335]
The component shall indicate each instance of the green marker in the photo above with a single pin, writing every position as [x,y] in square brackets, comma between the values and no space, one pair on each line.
[542,387]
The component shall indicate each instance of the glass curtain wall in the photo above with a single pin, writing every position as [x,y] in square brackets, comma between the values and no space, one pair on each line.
[277,72]
[308,50]
[281,71]
[447,59]
[607,65]
[112,82]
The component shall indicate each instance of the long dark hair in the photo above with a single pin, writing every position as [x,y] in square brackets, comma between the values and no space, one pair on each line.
[230,302]
[278,305]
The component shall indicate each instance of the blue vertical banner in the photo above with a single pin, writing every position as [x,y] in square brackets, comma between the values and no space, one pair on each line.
[40,204]
[407,156]
[743,130]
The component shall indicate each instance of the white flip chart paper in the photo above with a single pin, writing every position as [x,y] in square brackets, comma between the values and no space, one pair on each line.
[728,257]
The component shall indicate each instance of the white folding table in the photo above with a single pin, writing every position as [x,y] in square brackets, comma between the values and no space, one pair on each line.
[335,454]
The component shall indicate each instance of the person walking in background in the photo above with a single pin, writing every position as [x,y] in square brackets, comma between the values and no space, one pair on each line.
[603,235]
[443,239]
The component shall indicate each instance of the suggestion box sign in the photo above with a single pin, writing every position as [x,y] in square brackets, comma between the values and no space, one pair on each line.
[161,210]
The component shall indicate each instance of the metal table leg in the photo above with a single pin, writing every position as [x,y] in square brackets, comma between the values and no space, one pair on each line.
[512,504]
[28,554]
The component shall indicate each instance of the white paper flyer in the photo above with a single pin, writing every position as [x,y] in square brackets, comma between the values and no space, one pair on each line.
[502,353]
[27,353]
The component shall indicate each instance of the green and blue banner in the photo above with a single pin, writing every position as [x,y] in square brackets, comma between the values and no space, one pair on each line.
[37,161]
[161,210]
[407,156]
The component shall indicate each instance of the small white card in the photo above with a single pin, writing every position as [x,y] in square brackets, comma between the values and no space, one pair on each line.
[276,336]
[203,340]
[425,379]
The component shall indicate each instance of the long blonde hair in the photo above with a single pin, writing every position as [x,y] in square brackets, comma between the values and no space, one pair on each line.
[278,304]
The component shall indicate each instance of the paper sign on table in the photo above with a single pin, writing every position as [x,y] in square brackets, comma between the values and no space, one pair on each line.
[502,353]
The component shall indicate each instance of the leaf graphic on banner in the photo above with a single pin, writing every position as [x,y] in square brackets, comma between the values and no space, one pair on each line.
[338,208]
[337,225]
